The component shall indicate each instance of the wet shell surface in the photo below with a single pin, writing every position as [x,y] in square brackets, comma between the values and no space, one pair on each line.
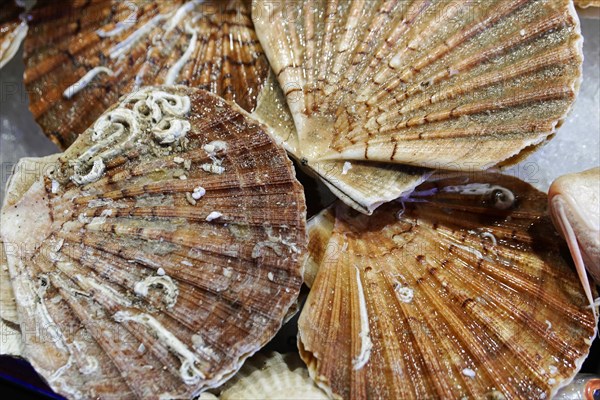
[158,252]
[272,376]
[12,30]
[459,85]
[81,57]
[463,290]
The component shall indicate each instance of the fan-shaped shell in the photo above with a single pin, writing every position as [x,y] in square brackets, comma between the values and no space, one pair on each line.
[81,57]
[159,252]
[12,30]
[273,376]
[461,291]
[457,85]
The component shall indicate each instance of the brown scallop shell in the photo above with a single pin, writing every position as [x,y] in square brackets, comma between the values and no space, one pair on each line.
[459,85]
[158,252]
[82,56]
[463,290]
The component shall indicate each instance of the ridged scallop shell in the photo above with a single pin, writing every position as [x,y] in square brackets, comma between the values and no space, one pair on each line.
[363,186]
[273,376]
[574,202]
[12,30]
[463,290]
[459,85]
[159,252]
[587,3]
[81,57]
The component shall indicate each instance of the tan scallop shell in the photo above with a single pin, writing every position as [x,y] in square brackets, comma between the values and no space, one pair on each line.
[459,85]
[587,3]
[461,291]
[273,376]
[158,252]
[81,57]
[12,30]
[10,333]
[574,202]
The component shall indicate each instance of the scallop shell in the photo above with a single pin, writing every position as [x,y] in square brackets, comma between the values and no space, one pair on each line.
[10,332]
[11,343]
[587,3]
[574,202]
[363,186]
[460,85]
[80,58]
[12,30]
[272,376]
[159,251]
[460,291]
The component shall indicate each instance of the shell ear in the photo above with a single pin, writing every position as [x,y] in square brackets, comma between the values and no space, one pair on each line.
[562,222]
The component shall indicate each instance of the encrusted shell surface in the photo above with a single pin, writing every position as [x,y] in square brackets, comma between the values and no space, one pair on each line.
[159,251]
[463,290]
[12,30]
[460,85]
[273,376]
[82,56]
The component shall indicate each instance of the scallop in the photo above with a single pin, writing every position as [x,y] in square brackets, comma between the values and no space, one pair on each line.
[574,201]
[126,284]
[587,3]
[12,30]
[461,290]
[272,376]
[81,57]
[452,85]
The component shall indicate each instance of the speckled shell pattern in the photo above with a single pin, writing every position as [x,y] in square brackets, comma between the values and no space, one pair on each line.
[12,30]
[157,253]
[457,85]
[463,290]
[82,56]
